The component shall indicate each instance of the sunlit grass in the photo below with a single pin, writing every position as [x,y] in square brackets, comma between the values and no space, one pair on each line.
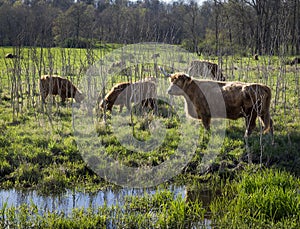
[259,198]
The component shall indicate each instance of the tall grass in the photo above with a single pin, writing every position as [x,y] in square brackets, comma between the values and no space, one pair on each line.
[259,198]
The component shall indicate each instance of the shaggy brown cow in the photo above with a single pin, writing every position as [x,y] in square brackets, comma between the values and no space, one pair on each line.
[205,69]
[57,85]
[111,97]
[123,94]
[295,61]
[206,99]
[10,56]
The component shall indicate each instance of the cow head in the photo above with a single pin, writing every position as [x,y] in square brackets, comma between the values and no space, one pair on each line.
[111,97]
[179,82]
[79,96]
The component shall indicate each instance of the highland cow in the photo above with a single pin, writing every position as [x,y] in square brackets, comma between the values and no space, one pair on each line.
[57,85]
[123,94]
[295,61]
[206,99]
[10,56]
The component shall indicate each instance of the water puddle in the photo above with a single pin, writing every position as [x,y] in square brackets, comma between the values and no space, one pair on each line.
[70,200]
[74,199]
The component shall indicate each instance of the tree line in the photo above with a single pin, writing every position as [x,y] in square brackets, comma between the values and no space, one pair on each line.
[215,27]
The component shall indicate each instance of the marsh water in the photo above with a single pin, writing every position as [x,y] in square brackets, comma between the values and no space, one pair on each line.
[72,199]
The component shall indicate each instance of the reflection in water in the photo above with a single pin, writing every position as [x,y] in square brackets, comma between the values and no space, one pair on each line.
[74,199]
[193,194]
[205,196]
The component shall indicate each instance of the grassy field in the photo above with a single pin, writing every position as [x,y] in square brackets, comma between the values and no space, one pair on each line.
[38,151]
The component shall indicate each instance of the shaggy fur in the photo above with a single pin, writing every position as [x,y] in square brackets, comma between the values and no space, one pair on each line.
[57,85]
[206,99]
[113,94]
[10,56]
[295,61]
[123,94]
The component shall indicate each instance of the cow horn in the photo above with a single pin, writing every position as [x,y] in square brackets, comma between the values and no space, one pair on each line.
[164,72]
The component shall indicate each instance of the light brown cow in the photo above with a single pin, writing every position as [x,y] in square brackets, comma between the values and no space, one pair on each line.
[57,85]
[123,94]
[205,69]
[206,99]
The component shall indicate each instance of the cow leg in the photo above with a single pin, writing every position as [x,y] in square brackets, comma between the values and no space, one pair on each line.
[149,103]
[63,98]
[267,122]
[250,123]
[154,105]
[121,108]
[206,122]
[268,125]
[128,106]
[44,96]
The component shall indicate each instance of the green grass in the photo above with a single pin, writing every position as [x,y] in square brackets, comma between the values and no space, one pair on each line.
[259,199]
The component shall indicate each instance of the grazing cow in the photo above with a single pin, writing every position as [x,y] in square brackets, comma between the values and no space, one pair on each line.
[205,69]
[57,85]
[111,97]
[123,94]
[206,99]
[10,56]
[295,61]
